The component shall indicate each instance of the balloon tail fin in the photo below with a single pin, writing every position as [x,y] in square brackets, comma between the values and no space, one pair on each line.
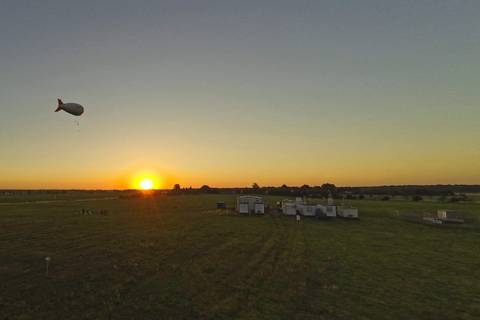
[59,105]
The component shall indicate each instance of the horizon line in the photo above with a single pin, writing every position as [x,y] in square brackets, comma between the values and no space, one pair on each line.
[244,187]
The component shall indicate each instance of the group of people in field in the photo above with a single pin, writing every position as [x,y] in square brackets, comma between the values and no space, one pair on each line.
[89,212]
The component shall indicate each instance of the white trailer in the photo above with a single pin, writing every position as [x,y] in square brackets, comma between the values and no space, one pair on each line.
[307,210]
[449,216]
[250,204]
[326,211]
[331,211]
[259,208]
[242,208]
[348,212]
[289,208]
[446,214]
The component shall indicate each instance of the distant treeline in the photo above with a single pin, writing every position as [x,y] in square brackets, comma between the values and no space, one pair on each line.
[328,189]
[425,190]
[322,191]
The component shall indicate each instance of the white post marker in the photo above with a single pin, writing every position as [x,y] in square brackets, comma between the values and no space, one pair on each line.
[47,260]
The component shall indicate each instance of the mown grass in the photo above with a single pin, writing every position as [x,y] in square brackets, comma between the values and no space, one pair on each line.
[177,258]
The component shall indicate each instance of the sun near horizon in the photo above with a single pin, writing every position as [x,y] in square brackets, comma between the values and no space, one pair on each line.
[146,184]
[146,180]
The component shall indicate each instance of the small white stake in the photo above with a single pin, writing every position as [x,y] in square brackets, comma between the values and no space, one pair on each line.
[47,260]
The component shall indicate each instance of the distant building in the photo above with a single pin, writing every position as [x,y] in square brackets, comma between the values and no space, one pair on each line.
[250,205]
[299,200]
[330,200]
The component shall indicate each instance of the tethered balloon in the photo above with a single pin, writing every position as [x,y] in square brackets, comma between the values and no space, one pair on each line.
[70,107]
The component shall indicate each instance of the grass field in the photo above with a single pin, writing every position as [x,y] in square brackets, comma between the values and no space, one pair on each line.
[58,197]
[172,257]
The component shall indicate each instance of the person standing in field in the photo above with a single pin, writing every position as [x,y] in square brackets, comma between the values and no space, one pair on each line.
[297,216]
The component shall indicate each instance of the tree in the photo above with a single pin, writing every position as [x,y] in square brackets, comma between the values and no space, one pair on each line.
[205,189]
[177,187]
[328,189]
[417,198]
[255,186]
[304,189]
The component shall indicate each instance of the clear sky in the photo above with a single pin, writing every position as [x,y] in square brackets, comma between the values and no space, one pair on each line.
[227,93]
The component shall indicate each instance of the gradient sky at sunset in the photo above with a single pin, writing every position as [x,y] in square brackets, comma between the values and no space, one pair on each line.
[227,93]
